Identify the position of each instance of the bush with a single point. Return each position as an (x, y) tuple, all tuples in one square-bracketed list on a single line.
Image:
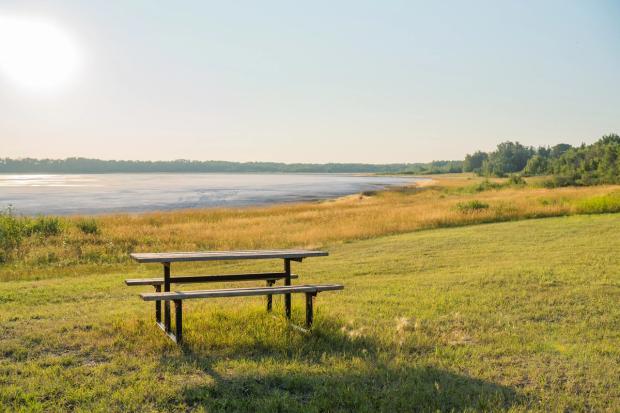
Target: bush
[(88, 226), (14, 228), (487, 185), (516, 180), (45, 226), (471, 206), (11, 233), (558, 182)]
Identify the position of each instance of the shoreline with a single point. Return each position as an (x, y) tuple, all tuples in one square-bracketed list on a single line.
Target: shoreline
[(110, 194)]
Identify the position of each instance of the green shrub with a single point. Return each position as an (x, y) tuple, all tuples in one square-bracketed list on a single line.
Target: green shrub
[(88, 226), (45, 226), (12, 231), (516, 180), (600, 204), (471, 206), (487, 185), (14, 228), (558, 182)]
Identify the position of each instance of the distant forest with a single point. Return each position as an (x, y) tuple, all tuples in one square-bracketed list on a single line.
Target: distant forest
[(598, 163), (85, 165)]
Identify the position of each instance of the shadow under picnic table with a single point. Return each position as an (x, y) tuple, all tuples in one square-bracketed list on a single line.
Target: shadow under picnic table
[(332, 371)]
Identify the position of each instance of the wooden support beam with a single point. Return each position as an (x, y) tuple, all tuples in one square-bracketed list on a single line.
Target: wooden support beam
[(269, 296), (178, 320), (158, 305), (287, 282), (309, 309), (167, 303)]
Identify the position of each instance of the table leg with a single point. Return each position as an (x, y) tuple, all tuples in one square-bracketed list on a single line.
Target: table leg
[(270, 297), (287, 281), (158, 305), (178, 320), (309, 312), (167, 303)]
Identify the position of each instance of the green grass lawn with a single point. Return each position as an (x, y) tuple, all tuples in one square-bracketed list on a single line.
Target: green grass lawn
[(510, 316)]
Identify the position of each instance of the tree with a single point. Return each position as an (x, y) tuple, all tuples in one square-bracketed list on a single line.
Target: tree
[(537, 165), (559, 150), (473, 163), (509, 157), (598, 163)]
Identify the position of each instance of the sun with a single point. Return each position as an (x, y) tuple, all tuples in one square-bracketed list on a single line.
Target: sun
[(36, 54)]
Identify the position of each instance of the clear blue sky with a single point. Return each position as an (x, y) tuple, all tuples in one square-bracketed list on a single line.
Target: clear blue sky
[(320, 81)]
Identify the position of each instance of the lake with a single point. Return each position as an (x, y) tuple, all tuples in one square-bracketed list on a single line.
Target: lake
[(104, 193)]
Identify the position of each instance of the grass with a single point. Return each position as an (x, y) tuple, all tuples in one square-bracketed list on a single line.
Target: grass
[(512, 316), (603, 204), (471, 206), (83, 245), (88, 226)]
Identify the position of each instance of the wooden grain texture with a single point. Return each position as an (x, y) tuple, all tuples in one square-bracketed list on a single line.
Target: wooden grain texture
[(239, 292), (144, 281), (146, 257), (188, 279)]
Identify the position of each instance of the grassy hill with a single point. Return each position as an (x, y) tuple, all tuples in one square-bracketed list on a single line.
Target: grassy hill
[(505, 316)]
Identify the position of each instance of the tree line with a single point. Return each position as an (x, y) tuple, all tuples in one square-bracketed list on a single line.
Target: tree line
[(598, 163), (87, 165)]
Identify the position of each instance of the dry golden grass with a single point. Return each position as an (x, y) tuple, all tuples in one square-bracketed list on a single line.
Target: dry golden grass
[(345, 219), (308, 225)]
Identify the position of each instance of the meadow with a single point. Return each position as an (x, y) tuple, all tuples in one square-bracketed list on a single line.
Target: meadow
[(445, 309), (35, 248)]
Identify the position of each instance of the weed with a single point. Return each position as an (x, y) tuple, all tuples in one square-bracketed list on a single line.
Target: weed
[(45, 226), (88, 226), (471, 206)]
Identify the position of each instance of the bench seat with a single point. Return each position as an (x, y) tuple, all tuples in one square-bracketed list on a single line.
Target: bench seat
[(177, 298), (239, 292)]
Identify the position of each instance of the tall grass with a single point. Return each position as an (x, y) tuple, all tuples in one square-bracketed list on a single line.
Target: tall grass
[(89, 242), (14, 229), (11, 234), (43, 225), (600, 204), (88, 226)]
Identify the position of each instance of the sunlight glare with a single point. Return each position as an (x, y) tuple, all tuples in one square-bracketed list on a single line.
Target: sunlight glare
[(36, 54)]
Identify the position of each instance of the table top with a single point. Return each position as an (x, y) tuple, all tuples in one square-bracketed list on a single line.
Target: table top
[(146, 257)]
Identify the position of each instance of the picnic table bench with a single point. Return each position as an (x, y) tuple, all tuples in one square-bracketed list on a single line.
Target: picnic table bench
[(166, 259)]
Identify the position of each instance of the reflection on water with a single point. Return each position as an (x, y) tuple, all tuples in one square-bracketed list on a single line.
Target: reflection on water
[(47, 180), (99, 193)]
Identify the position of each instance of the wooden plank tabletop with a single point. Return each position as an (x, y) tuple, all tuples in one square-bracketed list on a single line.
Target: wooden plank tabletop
[(145, 257)]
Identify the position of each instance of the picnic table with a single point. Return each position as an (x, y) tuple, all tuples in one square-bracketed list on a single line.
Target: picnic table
[(167, 258)]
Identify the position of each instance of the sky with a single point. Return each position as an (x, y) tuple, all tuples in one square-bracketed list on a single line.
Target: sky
[(323, 81)]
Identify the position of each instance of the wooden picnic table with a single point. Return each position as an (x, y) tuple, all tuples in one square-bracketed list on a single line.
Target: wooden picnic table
[(167, 258)]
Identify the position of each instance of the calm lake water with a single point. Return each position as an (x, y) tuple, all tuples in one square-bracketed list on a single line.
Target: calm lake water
[(101, 193)]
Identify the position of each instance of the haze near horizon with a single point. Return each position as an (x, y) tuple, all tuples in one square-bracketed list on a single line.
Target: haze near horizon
[(328, 82)]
